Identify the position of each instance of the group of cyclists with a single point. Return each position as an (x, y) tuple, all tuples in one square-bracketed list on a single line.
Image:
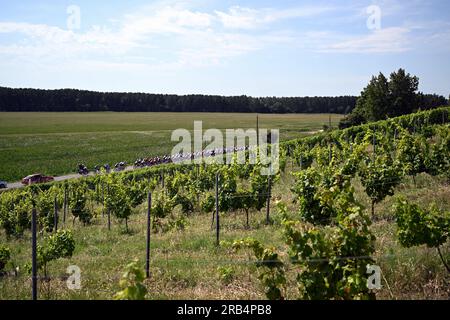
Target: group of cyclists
[(205, 154), (83, 170), (149, 162)]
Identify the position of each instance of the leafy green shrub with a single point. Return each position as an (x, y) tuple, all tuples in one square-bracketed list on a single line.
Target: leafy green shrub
[(333, 259), (416, 226), (322, 194), (5, 256), (58, 245), (208, 203), (270, 268), (136, 193), (411, 154), (131, 284), (117, 201), (77, 203), (310, 207), (226, 274), (15, 212), (177, 223), (162, 206), (380, 177), (186, 203), (45, 204)]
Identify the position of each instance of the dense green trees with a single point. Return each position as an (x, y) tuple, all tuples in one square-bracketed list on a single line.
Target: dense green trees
[(402, 98), (375, 99), (385, 98), (78, 100)]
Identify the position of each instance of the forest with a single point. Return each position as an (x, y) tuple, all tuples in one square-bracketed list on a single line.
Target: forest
[(87, 101), (66, 100)]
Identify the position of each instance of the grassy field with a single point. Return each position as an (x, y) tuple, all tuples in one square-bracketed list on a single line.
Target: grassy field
[(54, 143), (184, 264)]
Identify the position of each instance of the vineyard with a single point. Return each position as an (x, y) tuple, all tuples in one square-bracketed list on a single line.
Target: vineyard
[(376, 194)]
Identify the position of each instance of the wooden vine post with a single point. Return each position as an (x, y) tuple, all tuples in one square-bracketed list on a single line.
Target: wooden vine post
[(108, 211), (374, 142), (147, 265), (217, 210), (33, 255), (269, 191), (257, 130), (65, 204), (55, 217)]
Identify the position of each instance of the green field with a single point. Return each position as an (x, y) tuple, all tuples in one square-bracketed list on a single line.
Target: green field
[(54, 143)]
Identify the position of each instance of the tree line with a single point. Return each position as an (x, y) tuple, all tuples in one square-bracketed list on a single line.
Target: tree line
[(360, 109), (85, 101)]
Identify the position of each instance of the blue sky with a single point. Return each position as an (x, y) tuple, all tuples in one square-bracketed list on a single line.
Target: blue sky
[(257, 48)]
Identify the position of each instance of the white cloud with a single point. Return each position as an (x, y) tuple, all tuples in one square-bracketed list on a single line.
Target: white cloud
[(164, 21), (188, 37), (246, 18), (387, 40), (173, 36)]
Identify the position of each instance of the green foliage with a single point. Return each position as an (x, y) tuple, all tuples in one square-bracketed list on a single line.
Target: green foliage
[(58, 245), (281, 214), (77, 203), (136, 193), (173, 184), (5, 256), (162, 206), (177, 223), (310, 207), (259, 185), (45, 204), (332, 253), (333, 259), (118, 201), (15, 212), (411, 153), (302, 156), (437, 160), (383, 98), (227, 189), (375, 99), (131, 284), (244, 200), (271, 268), (353, 153), (205, 179), (417, 226), (226, 274), (323, 194), (208, 203), (380, 177), (185, 201)]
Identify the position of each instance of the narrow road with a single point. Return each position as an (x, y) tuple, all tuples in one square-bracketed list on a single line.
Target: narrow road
[(17, 185)]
